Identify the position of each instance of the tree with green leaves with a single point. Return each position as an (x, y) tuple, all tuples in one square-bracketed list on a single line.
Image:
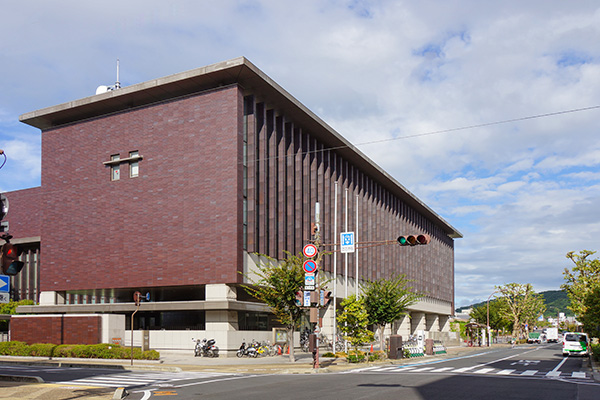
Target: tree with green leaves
[(591, 317), (387, 300), (11, 308), (354, 321), (581, 280), (521, 305), (497, 320), (276, 285)]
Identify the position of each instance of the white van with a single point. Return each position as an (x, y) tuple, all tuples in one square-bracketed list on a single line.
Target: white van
[(575, 343)]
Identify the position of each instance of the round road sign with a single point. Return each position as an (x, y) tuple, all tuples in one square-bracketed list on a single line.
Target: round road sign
[(310, 250), (309, 266)]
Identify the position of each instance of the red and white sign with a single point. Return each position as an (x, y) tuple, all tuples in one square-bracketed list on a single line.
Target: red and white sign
[(310, 250), (309, 266)]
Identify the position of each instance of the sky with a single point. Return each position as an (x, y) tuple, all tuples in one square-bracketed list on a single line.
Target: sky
[(487, 111)]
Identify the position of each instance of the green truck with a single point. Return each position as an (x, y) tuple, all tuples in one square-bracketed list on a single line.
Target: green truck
[(534, 337)]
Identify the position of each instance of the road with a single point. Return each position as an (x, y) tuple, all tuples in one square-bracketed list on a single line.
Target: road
[(525, 372)]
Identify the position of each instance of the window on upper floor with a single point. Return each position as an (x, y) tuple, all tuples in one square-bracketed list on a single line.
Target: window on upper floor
[(115, 169), (134, 164)]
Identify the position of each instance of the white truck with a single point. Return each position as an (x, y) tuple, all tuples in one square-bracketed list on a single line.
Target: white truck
[(552, 335)]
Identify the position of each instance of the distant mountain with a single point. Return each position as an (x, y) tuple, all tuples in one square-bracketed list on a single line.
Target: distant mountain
[(556, 301)]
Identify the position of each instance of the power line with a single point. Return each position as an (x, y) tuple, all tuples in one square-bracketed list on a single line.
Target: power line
[(506, 121), (462, 128)]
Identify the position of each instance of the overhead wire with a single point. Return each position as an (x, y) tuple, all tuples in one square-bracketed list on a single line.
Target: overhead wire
[(462, 128)]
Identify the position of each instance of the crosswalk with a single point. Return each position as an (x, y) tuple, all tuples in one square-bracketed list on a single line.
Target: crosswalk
[(129, 380), (475, 369)]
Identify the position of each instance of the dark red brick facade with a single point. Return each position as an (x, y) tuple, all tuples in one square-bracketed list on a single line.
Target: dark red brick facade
[(229, 163), (177, 223), (65, 329), (25, 213)]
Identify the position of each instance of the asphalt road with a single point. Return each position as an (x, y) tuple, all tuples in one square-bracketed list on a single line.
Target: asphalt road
[(526, 372)]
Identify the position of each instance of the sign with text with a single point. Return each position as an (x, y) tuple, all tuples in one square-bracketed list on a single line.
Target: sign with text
[(347, 241), (4, 297), (309, 281), (306, 302)]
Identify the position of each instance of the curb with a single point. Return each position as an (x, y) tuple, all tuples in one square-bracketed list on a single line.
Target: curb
[(75, 364), (19, 378)]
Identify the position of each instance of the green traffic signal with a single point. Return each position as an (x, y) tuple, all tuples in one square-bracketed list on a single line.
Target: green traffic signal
[(412, 240)]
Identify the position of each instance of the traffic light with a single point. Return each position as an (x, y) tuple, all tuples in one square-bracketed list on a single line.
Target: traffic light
[(413, 240), (10, 263), (314, 229), (3, 206), (327, 299), (137, 297), (299, 298)]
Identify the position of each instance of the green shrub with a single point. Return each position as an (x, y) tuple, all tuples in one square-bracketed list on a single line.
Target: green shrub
[(14, 348), (377, 355), (42, 350), (595, 351), (328, 354), (356, 357), (103, 351)]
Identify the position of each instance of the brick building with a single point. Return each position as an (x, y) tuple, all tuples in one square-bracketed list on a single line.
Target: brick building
[(169, 187)]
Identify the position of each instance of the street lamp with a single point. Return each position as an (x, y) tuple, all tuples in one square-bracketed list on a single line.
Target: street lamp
[(488, 317)]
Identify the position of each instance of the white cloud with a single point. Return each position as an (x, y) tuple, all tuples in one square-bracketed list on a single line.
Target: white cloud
[(374, 71)]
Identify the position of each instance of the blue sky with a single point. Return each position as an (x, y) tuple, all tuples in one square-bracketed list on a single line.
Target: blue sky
[(523, 193)]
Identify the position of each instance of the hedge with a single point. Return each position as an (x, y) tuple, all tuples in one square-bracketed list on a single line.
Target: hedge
[(103, 350)]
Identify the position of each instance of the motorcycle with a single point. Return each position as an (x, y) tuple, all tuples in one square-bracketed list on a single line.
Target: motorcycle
[(206, 348), (246, 351)]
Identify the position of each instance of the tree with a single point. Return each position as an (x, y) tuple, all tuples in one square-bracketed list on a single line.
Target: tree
[(11, 308), (387, 300), (521, 305), (497, 320), (582, 279), (354, 321), (591, 317), (277, 284)]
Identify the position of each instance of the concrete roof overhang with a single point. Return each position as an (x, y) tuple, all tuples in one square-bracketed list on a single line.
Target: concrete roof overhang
[(238, 71)]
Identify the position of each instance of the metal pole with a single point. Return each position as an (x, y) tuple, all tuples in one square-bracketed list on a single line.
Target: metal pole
[(346, 254), (356, 249), (136, 310), (488, 317), (346, 259), (335, 201)]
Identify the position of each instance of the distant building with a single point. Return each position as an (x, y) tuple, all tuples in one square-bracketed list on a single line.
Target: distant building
[(169, 187)]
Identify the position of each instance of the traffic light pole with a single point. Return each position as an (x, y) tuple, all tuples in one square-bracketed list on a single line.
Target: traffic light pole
[(136, 298)]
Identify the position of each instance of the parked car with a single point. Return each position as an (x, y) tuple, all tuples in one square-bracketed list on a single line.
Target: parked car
[(575, 343)]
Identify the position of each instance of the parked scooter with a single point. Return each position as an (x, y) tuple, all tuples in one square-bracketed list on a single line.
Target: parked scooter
[(206, 348), (246, 351)]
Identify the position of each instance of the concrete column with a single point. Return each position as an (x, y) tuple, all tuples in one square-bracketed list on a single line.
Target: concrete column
[(221, 320), (50, 298), (432, 323), (402, 327), (418, 322), (444, 323), (220, 292)]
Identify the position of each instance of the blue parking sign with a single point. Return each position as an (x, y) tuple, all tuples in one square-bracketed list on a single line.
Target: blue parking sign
[(347, 240)]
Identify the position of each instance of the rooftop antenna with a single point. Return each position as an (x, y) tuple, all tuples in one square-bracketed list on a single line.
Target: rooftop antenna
[(117, 83), (103, 89)]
